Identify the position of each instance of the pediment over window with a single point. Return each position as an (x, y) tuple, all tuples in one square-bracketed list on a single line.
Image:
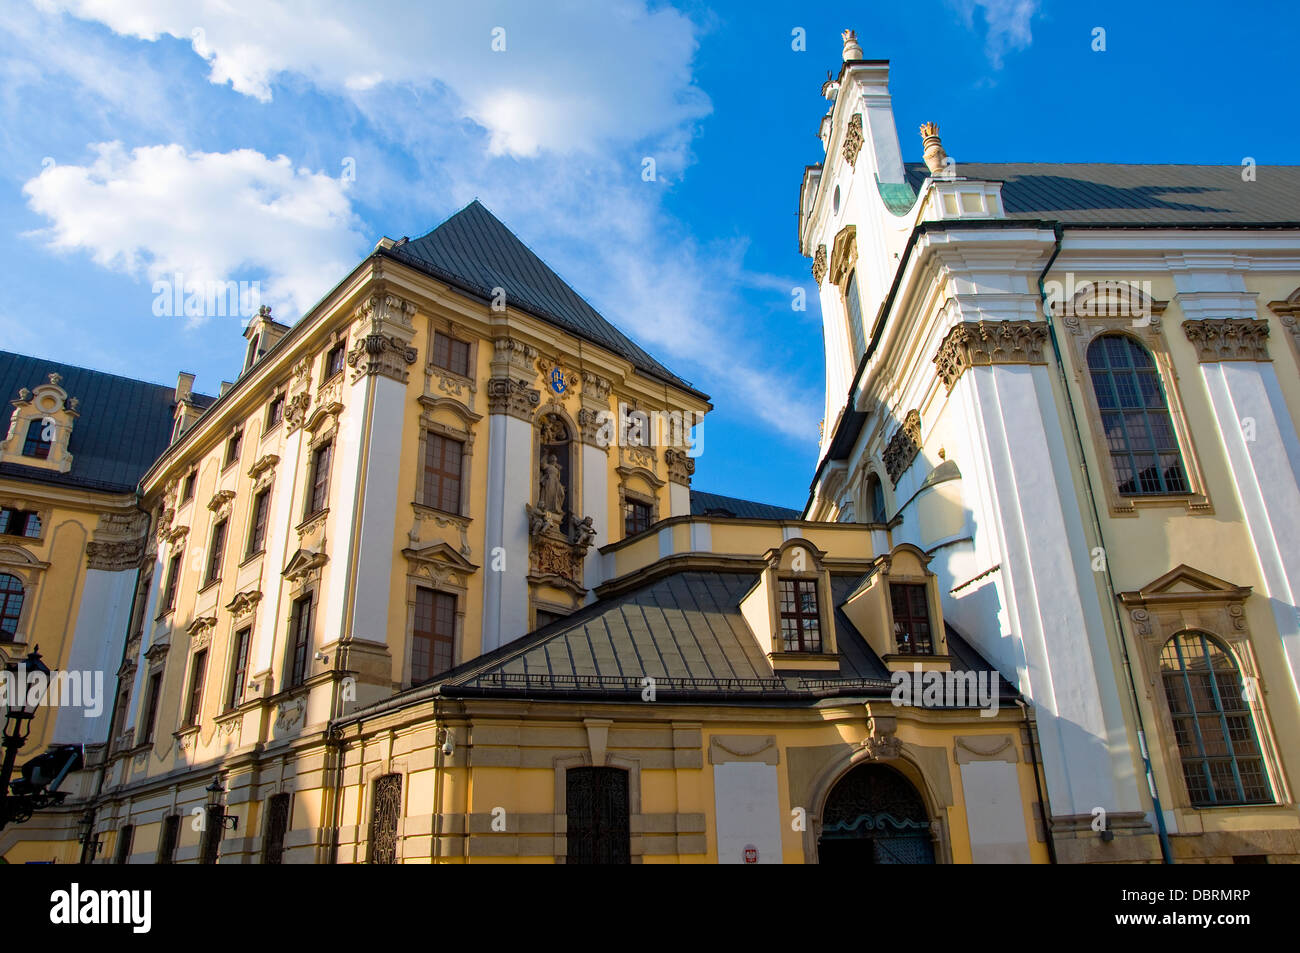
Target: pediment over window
[(441, 554), (303, 563), (1185, 584)]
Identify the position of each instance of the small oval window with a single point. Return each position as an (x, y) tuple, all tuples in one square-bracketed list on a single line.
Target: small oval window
[(835, 202)]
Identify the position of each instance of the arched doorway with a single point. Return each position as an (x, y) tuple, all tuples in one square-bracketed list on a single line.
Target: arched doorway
[(874, 815)]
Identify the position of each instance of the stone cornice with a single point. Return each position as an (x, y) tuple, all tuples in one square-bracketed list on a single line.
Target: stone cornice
[(984, 343), (1228, 339)]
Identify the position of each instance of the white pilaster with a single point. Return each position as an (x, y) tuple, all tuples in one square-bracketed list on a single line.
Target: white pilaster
[(505, 592), (595, 503), (102, 619)]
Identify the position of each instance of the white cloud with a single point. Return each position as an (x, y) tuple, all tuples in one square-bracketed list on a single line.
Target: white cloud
[(213, 217), (1007, 23), (572, 76)]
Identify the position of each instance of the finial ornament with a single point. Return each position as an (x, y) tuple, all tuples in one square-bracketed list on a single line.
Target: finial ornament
[(852, 51), (936, 160)]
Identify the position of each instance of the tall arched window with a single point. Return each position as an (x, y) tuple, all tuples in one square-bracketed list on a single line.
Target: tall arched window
[(1213, 725), (1135, 418), (876, 498), (11, 606)]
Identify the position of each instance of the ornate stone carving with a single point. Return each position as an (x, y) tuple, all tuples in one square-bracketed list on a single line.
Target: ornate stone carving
[(881, 741), (853, 140), (510, 356), (231, 726), (512, 397), (903, 446), (983, 343), (220, 503), (1228, 339), (289, 714), (1287, 311), (595, 387), (295, 411), (244, 603), (819, 265), (590, 426), (680, 466), (115, 556), (200, 631), (383, 354)]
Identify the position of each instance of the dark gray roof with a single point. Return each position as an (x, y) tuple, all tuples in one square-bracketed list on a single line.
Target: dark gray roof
[(475, 251), (714, 504), (684, 630), (123, 427), (1093, 193)]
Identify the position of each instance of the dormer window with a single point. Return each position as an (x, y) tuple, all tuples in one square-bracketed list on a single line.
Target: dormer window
[(334, 361), (800, 616), (911, 609), (251, 359), (37, 444)]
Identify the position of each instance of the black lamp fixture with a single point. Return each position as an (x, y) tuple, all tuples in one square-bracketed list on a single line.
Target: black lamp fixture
[(86, 836), (21, 708), (216, 810)]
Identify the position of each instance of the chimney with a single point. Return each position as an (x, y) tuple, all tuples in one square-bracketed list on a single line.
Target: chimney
[(934, 154), (184, 387), (851, 49)]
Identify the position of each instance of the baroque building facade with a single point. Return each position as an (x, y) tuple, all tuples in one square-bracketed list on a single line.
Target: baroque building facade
[(1075, 386), (429, 581)]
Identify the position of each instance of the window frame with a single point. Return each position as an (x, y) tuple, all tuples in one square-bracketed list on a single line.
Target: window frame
[(911, 588), (452, 340), (1102, 307), (234, 449), (297, 666), (37, 426), (6, 597), (434, 638), (255, 544), (432, 478), (152, 702), (274, 412), (216, 552), (242, 643), (322, 461), (330, 370), (171, 583), (799, 585), (194, 696)]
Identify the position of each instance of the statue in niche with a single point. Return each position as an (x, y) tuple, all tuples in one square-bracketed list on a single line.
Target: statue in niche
[(550, 495)]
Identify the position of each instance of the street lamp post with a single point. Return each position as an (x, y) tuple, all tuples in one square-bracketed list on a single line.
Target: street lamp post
[(218, 820), (22, 705)]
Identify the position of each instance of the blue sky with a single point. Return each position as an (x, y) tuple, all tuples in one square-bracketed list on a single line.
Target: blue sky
[(139, 139)]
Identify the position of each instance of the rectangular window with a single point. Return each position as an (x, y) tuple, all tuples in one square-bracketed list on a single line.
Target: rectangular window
[(450, 354), (36, 445), (275, 411), (151, 706), (300, 640), (334, 361), (384, 815), (598, 810), (442, 470), (318, 494), (636, 517), (167, 840), (20, 523), (232, 447), (257, 530), (216, 552), (911, 619), (119, 716), (433, 637), (187, 488), (277, 825), (198, 669), (124, 838), (239, 667), (800, 621), (173, 583), (141, 600)]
